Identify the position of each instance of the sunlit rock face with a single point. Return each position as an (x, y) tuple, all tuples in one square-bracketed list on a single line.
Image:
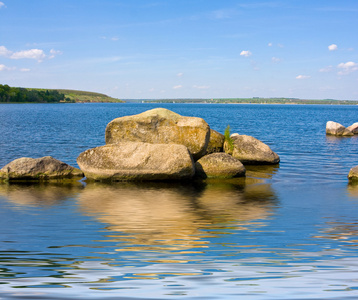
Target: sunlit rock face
[(171, 217), (334, 128), (137, 161), (353, 128), (219, 165), (353, 174), (161, 126), (250, 150), (42, 168)]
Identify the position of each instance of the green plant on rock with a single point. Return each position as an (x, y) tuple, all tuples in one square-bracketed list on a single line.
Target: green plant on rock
[(229, 141)]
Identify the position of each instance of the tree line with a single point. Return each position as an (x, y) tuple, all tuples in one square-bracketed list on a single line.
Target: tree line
[(15, 94)]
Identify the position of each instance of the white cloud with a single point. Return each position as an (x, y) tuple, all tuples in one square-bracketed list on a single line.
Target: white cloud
[(245, 53), (5, 68), (347, 68), (326, 69), (25, 70), (269, 44), (303, 77), (54, 52), (4, 51), (275, 59), (332, 47), (176, 87), (2, 4), (37, 54), (180, 74), (201, 87)]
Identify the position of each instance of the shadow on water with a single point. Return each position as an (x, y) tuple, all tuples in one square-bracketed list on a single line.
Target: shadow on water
[(167, 216)]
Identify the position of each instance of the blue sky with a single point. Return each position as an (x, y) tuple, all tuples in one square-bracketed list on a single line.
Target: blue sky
[(183, 48)]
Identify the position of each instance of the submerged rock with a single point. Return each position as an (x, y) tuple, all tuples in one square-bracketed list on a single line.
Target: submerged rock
[(216, 142), (137, 161), (219, 165), (250, 150), (161, 126), (43, 168), (353, 173), (334, 128)]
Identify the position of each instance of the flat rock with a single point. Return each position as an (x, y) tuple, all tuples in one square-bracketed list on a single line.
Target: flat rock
[(216, 142), (43, 168), (334, 128), (219, 165), (353, 173), (250, 150), (137, 161), (161, 126)]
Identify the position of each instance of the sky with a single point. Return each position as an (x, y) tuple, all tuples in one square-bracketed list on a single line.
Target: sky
[(150, 49)]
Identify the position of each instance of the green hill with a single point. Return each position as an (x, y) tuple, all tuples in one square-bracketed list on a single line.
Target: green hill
[(83, 96), (30, 95)]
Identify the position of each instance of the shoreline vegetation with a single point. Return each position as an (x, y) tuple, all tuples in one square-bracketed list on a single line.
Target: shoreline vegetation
[(33, 95), (254, 100)]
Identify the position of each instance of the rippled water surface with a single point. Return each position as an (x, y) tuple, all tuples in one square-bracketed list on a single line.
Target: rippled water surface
[(284, 232)]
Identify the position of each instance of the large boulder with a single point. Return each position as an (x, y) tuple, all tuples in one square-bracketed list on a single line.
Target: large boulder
[(137, 161), (219, 165), (353, 128), (161, 126), (334, 128), (250, 150), (353, 173), (216, 142), (43, 168)]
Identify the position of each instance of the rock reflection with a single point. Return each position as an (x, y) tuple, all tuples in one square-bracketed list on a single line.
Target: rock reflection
[(39, 194), (346, 232), (173, 216), (353, 189)]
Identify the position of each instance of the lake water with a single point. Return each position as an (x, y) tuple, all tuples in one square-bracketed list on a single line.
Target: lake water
[(284, 232)]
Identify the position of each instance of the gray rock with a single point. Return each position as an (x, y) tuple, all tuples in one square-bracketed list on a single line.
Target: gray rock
[(43, 168), (334, 128), (353, 173), (219, 165), (216, 142), (161, 126), (250, 150), (137, 161), (353, 128)]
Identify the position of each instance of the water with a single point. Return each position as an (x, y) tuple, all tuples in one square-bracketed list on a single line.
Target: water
[(287, 232)]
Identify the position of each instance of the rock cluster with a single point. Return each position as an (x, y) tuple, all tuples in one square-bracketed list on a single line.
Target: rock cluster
[(155, 145), (162, 145), (334, 128)]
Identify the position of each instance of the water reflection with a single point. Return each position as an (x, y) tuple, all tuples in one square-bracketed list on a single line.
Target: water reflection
[(171, 216), (39, 194), (353, 189)]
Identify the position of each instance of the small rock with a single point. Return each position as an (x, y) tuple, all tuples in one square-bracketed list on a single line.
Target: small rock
[(334, 128), (353, 128), (42, 168), (353, 173), (219, 165), (250, 150)]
